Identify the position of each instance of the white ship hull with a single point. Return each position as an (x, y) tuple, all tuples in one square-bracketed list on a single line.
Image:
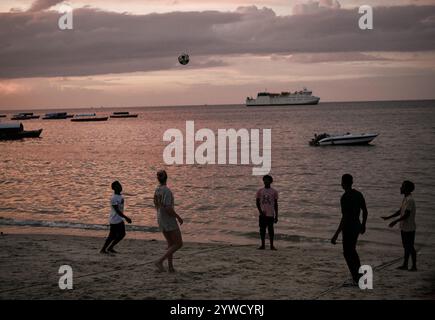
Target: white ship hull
[(281, 102), (284, 99)]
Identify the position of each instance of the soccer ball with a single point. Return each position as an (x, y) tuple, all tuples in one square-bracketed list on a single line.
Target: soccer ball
[(183, 59)]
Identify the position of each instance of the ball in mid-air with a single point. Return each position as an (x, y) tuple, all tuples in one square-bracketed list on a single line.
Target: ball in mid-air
[(183, 59)]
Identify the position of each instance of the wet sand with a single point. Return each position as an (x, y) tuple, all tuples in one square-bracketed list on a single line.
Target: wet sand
[(30, 263)]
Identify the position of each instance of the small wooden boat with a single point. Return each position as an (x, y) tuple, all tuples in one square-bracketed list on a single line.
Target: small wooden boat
[(123, 114), (55, 116), (15, 131), (24, 116), (2, 116), (86, 117)]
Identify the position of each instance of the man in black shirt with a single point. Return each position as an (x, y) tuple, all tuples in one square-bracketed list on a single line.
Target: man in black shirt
[(352, 202)]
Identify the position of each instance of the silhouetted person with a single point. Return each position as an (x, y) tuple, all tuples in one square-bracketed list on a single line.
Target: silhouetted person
[(117, 226), (267, 205), (352, 202), (167, 220), (407, 224)]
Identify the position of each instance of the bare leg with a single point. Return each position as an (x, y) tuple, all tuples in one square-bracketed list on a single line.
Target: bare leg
[(176, 243), (170, 242)]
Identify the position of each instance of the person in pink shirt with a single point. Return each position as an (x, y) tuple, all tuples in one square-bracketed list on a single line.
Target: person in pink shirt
[(267, 205)]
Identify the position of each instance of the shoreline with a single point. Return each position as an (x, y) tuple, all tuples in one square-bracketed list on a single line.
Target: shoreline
[(30, 264)]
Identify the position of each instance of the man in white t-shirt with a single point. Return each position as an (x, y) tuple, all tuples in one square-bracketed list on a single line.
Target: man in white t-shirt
[(117, 226), (407, 224)]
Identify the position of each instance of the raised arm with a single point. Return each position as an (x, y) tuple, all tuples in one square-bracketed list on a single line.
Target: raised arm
[(404, 217), (396, 214)]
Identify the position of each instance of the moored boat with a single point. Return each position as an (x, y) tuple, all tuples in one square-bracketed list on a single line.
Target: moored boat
[(342, 139), (86, 117), (123, 114), (55, 116), (15, 131), (24, 116), (2, 116)]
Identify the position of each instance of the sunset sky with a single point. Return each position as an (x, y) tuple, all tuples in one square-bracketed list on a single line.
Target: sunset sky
[(124, 53)]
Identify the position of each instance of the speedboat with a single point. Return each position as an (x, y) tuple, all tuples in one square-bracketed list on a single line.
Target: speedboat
[(123, 114), (55, 116), (85, 117), (24, 116), (347, 139), (15, 131)]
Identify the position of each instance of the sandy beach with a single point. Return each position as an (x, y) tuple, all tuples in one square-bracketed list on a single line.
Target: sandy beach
[(30, 262)]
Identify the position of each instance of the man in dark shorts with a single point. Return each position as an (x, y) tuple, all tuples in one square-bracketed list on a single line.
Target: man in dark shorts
[(352, 203), (267, 205)]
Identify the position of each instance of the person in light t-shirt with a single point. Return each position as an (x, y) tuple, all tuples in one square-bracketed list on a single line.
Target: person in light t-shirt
[(167, 220), (407, 224), (267, 205), (117, 226)]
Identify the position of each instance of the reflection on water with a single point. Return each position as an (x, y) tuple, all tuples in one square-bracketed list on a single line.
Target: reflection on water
[(65, 176)]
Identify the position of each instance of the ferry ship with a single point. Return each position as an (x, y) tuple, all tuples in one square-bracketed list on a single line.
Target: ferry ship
[(303, 97)]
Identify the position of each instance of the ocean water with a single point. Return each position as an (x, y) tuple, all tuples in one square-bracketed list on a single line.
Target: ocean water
[(62, 180)]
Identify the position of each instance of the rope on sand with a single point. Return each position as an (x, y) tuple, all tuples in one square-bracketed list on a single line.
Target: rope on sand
[(114, 269)]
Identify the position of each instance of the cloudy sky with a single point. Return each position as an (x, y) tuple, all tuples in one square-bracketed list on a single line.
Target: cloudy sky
[(124, 53)]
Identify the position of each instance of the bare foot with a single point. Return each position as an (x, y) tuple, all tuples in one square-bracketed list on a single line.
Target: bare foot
[(159, 266)]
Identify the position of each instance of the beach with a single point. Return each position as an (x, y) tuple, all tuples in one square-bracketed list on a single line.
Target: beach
[(55, 206), (30, 264)]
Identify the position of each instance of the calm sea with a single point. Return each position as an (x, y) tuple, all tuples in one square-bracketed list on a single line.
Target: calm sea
[(62, 180)]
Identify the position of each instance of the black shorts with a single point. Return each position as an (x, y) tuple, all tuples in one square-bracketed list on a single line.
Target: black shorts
[(408, 239), (265, 222), (117, 230)]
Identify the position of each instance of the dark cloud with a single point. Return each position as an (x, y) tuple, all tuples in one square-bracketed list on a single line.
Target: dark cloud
[(106, 42)]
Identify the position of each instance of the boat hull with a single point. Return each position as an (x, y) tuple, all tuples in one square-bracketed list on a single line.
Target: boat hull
[(124, 116), (21, 135), (89, 119), (349, 140), (25, 118), (54, 118), (253, 103)]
